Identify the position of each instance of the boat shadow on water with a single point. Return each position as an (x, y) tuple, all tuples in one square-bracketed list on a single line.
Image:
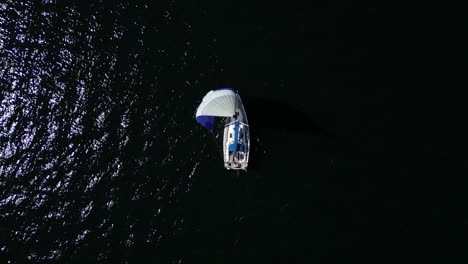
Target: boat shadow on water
[(266, 115), (273, 121)]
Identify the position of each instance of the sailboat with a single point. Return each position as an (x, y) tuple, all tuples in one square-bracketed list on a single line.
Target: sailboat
[(226, 103)]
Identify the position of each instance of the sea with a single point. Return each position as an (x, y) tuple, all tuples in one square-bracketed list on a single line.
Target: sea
[(102, 160)]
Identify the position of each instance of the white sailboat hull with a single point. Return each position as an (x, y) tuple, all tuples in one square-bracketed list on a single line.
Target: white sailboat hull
[(236, 140)]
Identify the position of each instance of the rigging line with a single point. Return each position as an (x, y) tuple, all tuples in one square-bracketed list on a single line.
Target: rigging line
[(203, 149), (219, 149)]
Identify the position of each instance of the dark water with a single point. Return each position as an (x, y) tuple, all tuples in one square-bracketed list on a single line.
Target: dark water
[(101, 160)]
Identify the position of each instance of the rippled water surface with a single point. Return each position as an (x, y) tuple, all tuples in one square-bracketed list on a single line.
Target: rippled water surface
[(98, 146)]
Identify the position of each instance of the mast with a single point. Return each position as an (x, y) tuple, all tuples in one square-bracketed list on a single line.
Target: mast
[(236, 125)]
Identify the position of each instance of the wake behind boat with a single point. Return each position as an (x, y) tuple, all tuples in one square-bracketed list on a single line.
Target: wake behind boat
[(226, 103)]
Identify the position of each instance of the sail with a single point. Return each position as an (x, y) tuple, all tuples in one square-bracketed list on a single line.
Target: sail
[(221, 103)]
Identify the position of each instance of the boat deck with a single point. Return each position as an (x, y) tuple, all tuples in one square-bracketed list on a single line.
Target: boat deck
[(240, 161)]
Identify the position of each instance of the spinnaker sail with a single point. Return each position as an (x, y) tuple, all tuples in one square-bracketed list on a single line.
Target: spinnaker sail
[(216, 103)]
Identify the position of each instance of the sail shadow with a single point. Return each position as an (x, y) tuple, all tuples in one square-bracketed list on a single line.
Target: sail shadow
[(266, 116), (270, 121)]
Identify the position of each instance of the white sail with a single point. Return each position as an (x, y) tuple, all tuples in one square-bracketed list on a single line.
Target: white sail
[(218, 103)]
